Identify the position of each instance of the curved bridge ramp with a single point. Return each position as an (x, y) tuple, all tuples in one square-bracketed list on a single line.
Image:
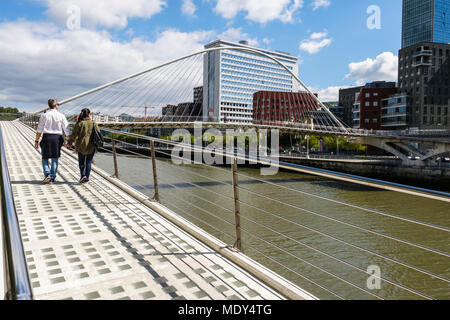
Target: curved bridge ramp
[(95, 241)]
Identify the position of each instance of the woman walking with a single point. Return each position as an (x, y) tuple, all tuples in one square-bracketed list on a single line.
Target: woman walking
[(81, 136)]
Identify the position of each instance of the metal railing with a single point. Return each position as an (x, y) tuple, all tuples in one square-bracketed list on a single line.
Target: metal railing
[(224, 206), (236, 203), (17, 280)]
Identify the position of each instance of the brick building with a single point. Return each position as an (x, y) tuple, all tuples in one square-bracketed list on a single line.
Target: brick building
[(282, 106), (367, 110)]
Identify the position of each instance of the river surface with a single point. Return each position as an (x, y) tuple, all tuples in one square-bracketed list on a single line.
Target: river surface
[(292, 224)]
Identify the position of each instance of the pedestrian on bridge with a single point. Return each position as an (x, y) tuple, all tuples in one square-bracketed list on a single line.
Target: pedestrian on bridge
[(84, 144), (52, 126)]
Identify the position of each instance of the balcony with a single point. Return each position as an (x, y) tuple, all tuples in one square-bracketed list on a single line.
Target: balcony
[(422, 63), (423, 52)]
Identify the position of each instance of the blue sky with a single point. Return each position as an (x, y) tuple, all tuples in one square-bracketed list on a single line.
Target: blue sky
[(330, 37)]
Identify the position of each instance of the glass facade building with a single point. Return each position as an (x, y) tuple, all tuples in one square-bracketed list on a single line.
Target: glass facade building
[(231, 77), (425, 21)]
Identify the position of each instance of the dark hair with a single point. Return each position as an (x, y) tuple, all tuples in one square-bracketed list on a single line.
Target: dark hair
[(84, 114), (52, 103)]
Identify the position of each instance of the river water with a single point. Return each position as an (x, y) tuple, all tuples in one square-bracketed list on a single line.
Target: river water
[(294, 226)]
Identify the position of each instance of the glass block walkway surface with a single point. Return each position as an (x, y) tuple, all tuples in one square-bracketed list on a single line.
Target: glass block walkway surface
[(96, 242)]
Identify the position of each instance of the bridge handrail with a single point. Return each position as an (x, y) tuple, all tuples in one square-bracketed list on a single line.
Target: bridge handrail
[(189, 195), (18, 285), (443, 196)]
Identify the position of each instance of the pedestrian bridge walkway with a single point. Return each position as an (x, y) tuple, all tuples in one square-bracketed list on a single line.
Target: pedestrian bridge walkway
[(97, 241)]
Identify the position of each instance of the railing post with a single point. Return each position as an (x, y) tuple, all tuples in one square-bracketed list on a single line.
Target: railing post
[(116, 168), (155, 174), (237, 206)]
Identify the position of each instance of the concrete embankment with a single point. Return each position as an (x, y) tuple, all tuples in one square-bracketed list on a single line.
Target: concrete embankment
[(390, 170)]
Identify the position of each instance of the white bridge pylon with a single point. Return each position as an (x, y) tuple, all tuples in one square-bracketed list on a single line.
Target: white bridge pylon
[(169, 84)]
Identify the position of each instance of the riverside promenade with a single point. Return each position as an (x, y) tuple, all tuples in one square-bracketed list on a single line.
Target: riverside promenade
[(103, 240)]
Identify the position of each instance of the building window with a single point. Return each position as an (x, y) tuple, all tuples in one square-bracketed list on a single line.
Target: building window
[(367, 95)]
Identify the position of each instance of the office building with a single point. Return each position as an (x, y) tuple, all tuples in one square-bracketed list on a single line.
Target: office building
[(425, 21), (424, 75), (231, 77)]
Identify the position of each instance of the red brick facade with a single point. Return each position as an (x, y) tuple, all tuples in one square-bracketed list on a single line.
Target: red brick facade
[(371, 103), (281, 106)]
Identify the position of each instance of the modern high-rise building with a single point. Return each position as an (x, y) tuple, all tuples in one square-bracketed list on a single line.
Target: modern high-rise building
[(424, 75), (231, 77), (425, 21)]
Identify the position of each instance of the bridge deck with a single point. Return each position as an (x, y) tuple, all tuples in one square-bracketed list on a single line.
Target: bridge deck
[(95, 241)]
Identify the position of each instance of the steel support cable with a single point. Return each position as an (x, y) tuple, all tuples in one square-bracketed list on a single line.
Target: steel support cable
[(342, 203), (311, 212), (192, 71), (295, 272), (121, 100), (319, 172), (175, 70), (312, 265), (161, 77), (179, 158), (124, 90), (196, 80), (350, 224), (324, 234), (340, 260), (337, 239), (184, 251), (100, 96), (191, 183), (235, 290), (344, 262), (210, 214), (350, 204), (346, 223), (178, 188), (180, 84), (404, 264)]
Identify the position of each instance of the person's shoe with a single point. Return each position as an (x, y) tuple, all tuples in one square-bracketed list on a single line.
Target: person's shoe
[(47, 180), (83, 180), (53, 180)]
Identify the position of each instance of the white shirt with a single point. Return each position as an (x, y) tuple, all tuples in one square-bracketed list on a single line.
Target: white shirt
[(53, 122)]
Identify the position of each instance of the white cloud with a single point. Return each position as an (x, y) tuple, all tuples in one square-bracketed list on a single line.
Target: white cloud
[(236, 34), (54, 62), (320, 3), (383, 67), (188, 8), (106, 13), (261, 11), (315, 42), (328, 94)]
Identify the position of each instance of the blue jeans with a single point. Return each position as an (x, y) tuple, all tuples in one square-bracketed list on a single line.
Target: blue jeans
[(50, 171), (85, 163)]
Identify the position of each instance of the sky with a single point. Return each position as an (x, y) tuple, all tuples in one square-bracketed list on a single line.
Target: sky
[(59, 48)]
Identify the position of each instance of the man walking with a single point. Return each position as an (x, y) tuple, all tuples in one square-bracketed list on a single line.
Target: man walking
[(52, 125)]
